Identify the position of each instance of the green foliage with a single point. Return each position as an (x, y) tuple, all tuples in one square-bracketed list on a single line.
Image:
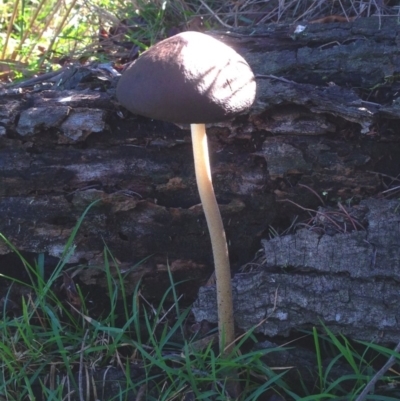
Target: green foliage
[(49, 340), (356, 369), (36, 36), (35, 32)]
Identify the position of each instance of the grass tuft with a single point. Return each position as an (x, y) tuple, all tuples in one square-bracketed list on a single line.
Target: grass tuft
[(53, 347)]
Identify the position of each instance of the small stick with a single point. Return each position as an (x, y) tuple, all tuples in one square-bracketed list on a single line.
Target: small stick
[(215, 15), (275, 77), (378, 375), (314, 192), (35, 80)]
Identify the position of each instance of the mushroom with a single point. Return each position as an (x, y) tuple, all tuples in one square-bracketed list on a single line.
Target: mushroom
[(192, 78)]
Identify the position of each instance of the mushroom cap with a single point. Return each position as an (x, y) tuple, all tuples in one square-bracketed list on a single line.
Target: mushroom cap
[(189, 78)]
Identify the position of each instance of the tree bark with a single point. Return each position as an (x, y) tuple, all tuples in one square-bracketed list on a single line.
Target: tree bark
[(325, 121), (348, 280)]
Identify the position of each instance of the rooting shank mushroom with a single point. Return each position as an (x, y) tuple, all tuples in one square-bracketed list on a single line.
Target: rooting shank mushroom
[(195, 79)]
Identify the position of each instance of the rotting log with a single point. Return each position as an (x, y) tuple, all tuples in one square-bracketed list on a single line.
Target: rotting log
[(326, 118), (348, 280)]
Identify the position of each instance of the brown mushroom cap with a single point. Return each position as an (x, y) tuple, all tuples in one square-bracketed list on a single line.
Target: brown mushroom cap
[(188, 78)]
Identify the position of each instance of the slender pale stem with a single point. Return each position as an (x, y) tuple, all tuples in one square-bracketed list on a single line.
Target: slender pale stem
[(218, 239)]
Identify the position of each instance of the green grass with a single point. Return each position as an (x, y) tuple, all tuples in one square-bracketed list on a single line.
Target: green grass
[(47, 345), (37, 37), (50, 341)]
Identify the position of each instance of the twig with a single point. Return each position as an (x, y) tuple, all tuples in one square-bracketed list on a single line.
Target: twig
[(314, 211), (314, 192), (378, 375), (384, 175), (215, 15), (35, 80), (277, 78), (341, 207), (370, 103), (390, 190), (141, 393)]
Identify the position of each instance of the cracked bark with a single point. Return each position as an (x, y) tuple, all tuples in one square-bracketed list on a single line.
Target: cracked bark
[(328, 123)]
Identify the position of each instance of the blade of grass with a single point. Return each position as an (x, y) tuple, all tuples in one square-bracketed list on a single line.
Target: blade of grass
[(57, 337), (319, 359), (343, 349)]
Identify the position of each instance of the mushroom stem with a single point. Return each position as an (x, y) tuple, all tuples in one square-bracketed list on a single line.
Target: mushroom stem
[(218, 239)]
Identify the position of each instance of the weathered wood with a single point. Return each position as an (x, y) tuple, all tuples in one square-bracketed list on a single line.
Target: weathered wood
[(68, 149), (349, 281), (320, 125), (362, 53)]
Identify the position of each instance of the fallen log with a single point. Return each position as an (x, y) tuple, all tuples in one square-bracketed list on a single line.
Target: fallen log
[(324, 122), (348, 280)]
